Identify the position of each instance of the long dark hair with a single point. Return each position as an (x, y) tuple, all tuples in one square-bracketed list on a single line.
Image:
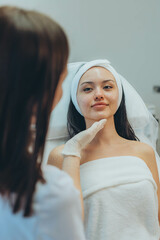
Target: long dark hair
[(33, 54), (76, 122)]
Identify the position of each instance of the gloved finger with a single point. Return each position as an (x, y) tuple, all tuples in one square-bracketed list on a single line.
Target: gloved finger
[(97, 126)]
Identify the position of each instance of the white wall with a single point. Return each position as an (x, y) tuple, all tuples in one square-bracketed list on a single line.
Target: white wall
[(126, 32)]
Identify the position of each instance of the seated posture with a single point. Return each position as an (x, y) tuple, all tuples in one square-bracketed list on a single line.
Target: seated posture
[(118, 173)]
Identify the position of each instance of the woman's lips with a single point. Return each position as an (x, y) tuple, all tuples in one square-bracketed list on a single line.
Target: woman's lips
[(99, 105)]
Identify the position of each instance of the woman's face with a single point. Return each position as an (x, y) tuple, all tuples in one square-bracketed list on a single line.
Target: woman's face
[(97, 94)]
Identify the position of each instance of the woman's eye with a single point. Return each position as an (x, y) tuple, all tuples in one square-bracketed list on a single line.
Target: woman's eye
[(107, 87), (86, 89)]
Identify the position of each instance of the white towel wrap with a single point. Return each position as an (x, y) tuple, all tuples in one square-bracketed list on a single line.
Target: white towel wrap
[(120, 199)]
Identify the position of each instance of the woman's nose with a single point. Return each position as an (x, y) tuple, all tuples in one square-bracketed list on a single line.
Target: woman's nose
[(99, 95)]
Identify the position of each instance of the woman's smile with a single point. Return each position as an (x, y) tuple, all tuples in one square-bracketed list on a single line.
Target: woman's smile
[(99, 105)]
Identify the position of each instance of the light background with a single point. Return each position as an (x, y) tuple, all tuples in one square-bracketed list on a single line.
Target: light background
[(126, 32)]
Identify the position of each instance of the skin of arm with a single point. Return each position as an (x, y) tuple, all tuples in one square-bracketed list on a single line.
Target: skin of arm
[(146, 152), (69, 164)]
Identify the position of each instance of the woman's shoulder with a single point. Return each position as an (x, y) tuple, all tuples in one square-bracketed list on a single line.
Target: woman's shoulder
[(140, 145), (137, 148), (55, 157), (147, 154), (142, 149)]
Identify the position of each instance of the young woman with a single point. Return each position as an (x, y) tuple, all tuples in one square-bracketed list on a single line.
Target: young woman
[(35, 203), (118, 173)]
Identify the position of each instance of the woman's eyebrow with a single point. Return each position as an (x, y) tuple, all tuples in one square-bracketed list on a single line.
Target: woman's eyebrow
[(90, 82)]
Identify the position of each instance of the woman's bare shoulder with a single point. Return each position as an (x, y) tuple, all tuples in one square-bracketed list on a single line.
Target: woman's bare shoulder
[(142, 148), (55, 157), (147, 153)]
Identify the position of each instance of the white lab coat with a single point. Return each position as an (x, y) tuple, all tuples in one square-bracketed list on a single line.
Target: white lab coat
[(57, 212)]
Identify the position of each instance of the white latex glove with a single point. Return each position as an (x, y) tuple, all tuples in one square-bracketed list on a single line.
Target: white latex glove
[(74, 146)]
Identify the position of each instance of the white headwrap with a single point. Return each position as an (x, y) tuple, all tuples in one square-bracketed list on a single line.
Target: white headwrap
[(141, 120)]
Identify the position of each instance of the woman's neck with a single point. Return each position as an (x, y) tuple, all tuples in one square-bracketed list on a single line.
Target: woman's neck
[(107, 135)]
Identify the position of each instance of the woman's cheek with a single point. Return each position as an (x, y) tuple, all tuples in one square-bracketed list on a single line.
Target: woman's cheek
[(84, 104), (114, 104), (112, 96)]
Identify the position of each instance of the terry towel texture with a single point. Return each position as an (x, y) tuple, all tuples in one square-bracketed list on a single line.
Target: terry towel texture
[(120, 199)]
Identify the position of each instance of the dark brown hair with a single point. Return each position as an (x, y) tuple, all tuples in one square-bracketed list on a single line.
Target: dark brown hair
[(76, 122), (33, 54)]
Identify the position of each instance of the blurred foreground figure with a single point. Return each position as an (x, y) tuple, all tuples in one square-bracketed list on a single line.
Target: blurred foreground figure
[(35, 203)]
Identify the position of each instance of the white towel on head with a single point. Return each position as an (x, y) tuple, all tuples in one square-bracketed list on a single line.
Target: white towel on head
[(120, 199)]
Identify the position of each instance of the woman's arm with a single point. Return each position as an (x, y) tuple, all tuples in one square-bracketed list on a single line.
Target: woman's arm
[(154, 170), (148, 155), (55, 157), (72, 154), (69, 164)]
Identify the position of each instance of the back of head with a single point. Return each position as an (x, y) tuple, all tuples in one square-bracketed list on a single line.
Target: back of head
[(33, 54)]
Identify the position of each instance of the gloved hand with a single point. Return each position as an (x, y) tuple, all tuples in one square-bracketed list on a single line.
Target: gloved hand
[(74, 146)]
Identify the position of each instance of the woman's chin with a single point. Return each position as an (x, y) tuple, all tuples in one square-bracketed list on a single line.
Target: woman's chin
[(98, 118)]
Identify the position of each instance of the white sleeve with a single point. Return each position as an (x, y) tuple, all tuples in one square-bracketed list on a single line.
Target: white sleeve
[(58, 208)]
